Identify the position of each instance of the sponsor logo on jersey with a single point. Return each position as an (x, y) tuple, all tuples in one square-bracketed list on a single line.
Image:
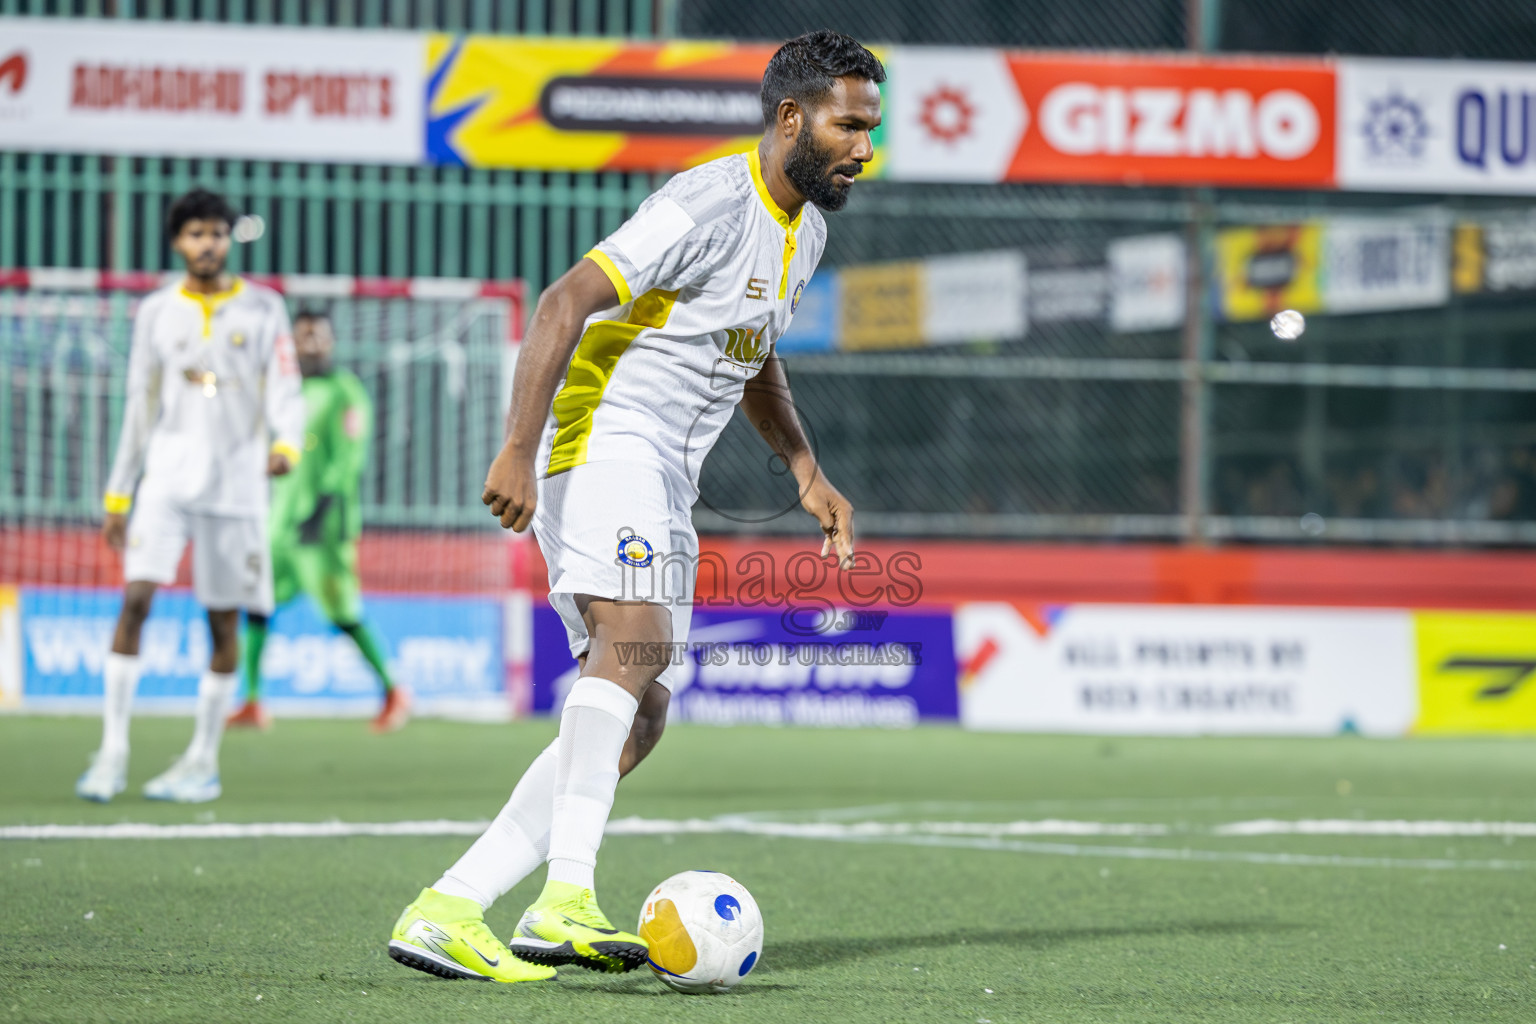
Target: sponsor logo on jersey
[(746, 346), (635, 550), (757, 287), (794, 302)]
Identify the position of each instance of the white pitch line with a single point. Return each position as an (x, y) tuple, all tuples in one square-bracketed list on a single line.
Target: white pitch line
[(1375, 827)]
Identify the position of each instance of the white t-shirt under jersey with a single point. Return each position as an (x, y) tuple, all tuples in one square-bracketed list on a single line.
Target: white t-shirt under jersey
[(709, 272), (212, 386)]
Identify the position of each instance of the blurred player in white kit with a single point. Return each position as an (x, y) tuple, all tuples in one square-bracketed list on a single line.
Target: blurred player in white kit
[(214, 406)]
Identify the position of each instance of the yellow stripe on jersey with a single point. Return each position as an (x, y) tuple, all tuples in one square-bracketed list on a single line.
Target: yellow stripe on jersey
[(755, 162), (591, 369), (211, 303), (117, 504), (612, 273)]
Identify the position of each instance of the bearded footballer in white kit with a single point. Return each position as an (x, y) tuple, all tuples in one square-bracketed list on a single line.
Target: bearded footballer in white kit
[(214, 406), (635, 359)]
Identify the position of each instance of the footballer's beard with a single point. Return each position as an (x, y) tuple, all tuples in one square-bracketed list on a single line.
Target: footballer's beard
[(206, 266), (314, 366), (807, 168)]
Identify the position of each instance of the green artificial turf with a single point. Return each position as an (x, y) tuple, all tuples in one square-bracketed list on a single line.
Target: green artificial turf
[(1079, 929)]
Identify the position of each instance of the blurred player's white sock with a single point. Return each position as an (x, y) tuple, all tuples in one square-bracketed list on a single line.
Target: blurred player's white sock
[(593, 728), (214, 691), (119, 681), (516, 843)]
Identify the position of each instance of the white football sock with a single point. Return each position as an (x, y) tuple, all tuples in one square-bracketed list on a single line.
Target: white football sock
[(214, 691), (593, 728), (120, 679), (516, 843)]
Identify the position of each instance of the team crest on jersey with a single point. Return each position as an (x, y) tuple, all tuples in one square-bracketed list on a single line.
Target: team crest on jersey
[(746, 346), (635, 550), (794, 303), (237, 339)]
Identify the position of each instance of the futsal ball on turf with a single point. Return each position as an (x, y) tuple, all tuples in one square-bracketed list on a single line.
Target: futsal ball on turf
[(704, 930)]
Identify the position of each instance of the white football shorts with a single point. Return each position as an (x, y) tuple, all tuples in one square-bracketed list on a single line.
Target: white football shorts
[(231, 566), (620, 530)]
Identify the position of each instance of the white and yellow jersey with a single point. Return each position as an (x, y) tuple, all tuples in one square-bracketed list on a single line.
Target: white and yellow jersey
[(709, 272), (213, 385)]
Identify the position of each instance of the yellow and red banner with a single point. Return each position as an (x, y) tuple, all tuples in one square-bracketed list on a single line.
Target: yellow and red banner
[(590, 105)]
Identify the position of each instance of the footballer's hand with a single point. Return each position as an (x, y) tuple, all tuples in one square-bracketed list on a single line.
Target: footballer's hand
[(115, 531), (835, 514), (278, 464), (510, 489)]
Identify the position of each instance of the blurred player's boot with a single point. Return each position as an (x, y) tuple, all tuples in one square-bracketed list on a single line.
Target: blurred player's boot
[(188, 781), (104, 779), (251, 716), (565, 926), (446, 936), (396, 711)]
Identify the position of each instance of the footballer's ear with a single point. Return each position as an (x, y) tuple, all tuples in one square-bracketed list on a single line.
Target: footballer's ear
[(791, 116)]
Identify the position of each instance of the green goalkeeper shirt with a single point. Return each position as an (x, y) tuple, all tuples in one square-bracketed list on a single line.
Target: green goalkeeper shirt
[(318, 499)]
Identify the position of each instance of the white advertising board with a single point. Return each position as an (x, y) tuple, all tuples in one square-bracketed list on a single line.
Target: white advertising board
[(1377, 264), (1147, 282), (1436, 126), (211, 90), (1186, 670)]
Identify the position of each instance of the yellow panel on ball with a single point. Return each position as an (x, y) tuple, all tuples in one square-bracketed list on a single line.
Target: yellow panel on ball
[(662, 929)]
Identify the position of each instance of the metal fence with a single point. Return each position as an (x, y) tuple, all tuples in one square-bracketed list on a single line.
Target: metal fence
[(1385, 427)]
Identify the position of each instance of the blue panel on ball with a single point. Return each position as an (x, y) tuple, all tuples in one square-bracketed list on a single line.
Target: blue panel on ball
[(727, 906), (746, 965)]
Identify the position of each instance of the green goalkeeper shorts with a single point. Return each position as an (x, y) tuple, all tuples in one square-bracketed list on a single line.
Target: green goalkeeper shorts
[(326, 572)]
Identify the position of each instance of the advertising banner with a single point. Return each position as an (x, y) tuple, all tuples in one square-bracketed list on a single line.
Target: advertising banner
[(870, 668), (1185, 670), (448, 650), (590, 104), (1146, 282), (1385, 263), (817, 317), (1495, 256), (1436, 126), (10, 648), (1477, 673), (1260, 271), (882, 306), (185, 89), (987, 115)]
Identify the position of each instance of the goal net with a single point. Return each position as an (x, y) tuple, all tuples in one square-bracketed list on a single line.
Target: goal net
[(435, 358)]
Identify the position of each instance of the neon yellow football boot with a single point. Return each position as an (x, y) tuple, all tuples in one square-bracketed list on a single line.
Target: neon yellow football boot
[(565, 926), (447, 936)]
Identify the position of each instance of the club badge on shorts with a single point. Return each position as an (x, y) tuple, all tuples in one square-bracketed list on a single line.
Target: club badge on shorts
[(635, 550)]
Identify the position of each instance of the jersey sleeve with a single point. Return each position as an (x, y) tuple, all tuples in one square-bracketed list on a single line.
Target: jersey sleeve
[(672, 242), (283, 388), (141, 407)]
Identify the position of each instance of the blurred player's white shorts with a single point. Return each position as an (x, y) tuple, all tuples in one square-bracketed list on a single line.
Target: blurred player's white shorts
[(231, 566), (621, 530)]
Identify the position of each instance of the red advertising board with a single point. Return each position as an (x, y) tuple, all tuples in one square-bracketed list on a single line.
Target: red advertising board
[(1164, 121), (991, 115)]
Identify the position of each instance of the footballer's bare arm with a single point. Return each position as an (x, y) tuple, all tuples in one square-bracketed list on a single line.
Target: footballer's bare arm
[(563, 308), (766, 401)]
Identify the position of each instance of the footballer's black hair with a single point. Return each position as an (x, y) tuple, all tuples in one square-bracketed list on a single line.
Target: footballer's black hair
[(311, 313), (199, 204), (805, 67)]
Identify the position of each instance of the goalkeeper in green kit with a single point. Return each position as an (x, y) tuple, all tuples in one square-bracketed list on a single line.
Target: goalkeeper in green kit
[(316, 519)]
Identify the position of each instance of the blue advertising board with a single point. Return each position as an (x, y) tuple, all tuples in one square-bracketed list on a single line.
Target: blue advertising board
[(872, 667), (814, 328), (447, 649)]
